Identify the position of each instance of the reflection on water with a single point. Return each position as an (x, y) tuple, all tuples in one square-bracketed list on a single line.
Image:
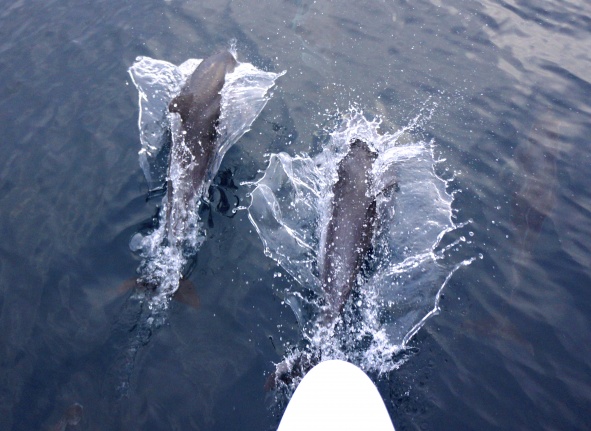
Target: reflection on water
[(509, 349)]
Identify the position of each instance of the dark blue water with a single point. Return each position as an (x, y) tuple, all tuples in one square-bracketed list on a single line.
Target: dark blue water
[(510, 348)]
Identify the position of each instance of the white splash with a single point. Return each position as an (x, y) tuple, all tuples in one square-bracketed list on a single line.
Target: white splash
[(244, 95), (290, 208)]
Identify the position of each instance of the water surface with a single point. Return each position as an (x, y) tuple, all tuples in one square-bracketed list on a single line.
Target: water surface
[(509, 349)]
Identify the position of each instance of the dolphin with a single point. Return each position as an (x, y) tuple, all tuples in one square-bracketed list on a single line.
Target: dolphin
[(72, 416), (345, 243), (191, 163), (199, 107), (347, 237)]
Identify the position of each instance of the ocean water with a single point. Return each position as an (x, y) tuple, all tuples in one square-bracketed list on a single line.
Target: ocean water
[(510, 85)]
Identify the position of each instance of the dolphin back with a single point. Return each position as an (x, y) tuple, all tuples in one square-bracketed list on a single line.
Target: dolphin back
[(349, 233), (199, 101), (199, 107)]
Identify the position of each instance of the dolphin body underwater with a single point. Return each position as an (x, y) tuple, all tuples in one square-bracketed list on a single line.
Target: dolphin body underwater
[(199, 107)]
